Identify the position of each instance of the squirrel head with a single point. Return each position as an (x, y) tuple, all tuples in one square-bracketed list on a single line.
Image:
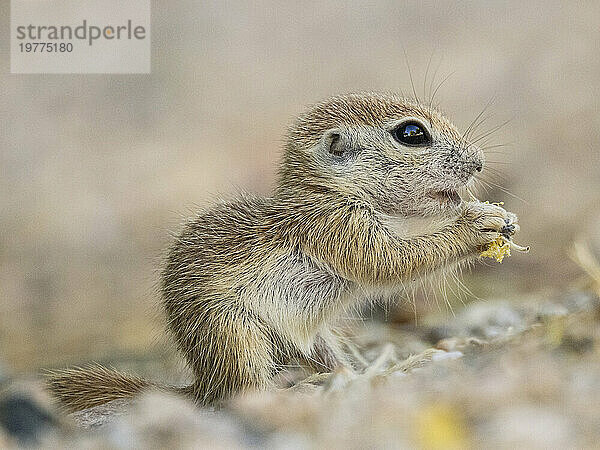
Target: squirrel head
[(397, 155)]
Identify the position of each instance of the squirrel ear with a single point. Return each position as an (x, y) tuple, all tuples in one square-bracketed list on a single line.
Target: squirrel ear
[(332, 142)]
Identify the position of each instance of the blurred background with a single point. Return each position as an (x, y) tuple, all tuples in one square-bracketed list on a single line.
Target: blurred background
[(97, 170)]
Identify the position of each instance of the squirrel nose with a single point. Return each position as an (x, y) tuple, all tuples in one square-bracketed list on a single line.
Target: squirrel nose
[(479, 166)]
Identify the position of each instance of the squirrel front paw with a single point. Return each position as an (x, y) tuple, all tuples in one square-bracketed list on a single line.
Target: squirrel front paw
[(486, 222)]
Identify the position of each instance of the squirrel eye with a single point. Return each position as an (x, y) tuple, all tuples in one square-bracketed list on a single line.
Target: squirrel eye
[(412, 134)]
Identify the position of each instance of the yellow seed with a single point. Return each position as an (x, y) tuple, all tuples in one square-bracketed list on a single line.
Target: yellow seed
[(497, 250), (487, 202)]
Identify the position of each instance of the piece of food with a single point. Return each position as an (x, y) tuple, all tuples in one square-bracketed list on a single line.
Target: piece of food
[(501, 247), (497, 250)]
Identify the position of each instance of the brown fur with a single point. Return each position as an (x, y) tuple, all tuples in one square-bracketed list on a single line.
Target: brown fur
[(95, 385), (255, 283)]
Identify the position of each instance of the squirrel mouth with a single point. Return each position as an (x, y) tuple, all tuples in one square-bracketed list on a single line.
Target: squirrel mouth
[(449, 197)]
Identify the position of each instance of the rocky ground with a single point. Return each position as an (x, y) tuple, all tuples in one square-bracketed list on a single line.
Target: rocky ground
[(498, 374)]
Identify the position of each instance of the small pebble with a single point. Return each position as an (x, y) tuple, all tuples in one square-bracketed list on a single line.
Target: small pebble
[(442, 355)]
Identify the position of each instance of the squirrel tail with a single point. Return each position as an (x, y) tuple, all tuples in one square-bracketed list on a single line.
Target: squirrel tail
[(85, 387)]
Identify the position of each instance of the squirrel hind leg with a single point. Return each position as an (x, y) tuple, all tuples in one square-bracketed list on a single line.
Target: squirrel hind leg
[(232, 356)]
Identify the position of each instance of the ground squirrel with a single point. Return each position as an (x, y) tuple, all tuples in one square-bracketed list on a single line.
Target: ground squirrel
[(366, 200)]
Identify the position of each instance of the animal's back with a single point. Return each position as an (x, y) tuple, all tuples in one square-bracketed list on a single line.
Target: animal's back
[(210, 261)]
